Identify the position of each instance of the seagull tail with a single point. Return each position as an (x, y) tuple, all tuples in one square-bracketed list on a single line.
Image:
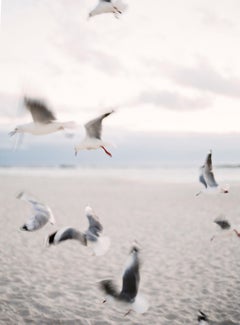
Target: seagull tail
[(140, 304), (101, 246)]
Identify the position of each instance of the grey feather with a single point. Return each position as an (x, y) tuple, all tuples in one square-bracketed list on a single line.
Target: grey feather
[(39, 111), (94, 127)]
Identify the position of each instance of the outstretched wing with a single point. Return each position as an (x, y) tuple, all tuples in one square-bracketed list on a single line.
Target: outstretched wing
[(131, 277), (95, 227), (223, 223), (109, 288), (40, 112), (66, 234), (37, 207), (201, 177), (94, 127), (208, 173)]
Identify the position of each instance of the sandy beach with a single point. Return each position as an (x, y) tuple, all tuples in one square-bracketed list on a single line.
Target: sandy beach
[(182, 271)]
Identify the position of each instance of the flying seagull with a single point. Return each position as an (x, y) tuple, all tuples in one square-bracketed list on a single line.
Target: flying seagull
[(109, 6), (130, 285), (226, 227), (44, 120), (91, 237), (41, 214), (207, 178), (93, 139), (202, 318)]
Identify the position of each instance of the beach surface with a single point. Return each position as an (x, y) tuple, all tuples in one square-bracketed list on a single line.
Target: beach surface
[(182, 271)]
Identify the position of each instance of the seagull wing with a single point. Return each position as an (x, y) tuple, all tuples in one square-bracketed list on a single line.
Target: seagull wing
[(131, 277), (109, 288), (35, 222), (201, 177), (65, 234), (223, 223), (40, 112), (95, 227), (208, 173), (94, 127), (40, 210)]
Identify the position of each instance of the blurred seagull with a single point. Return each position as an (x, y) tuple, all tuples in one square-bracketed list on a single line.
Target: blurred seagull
[(41, 214), (226, 227), (109, 6), (207, 178), (130, 285), (91, 237), (202, 318), (93, 139), (44, 121)]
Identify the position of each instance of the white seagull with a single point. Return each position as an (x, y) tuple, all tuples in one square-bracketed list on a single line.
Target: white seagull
[(207, 178), (91, 237), (226, 228), (44, 120), (130, 285), (109, 6), (93, 139), (202, 318), (41, 214)]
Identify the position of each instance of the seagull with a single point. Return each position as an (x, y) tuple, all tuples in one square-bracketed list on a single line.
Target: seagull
[(91, 237), (109, 6), (93, 139), (207, 178), (130, 285), (44, 120), (41, 214), (226, 227), (202, 318)]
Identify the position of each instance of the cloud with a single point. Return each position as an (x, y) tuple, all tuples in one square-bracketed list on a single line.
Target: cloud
[(173, 100), (203, 77)]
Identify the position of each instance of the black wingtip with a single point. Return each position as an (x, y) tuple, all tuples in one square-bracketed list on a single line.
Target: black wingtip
[(108, 287), (24, 227), (202, 316)]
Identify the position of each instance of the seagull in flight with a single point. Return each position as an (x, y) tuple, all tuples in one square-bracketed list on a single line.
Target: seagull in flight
[(202, 318), (226, 227), (42, 214), (93, 139), (44, 120), (130, 285), (91, 237), (109, 6), (207, 178)]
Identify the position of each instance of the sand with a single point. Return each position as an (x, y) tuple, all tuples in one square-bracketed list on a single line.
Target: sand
[(182, 271)]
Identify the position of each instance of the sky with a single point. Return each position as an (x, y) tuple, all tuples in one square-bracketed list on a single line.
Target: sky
[(167, 67)]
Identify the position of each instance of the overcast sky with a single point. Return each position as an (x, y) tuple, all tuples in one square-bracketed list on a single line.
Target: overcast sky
[(166, 65)]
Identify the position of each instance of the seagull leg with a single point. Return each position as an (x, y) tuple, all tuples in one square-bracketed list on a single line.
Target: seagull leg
[(127, 313), (107, 152), (117, 10), (237, 233)]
